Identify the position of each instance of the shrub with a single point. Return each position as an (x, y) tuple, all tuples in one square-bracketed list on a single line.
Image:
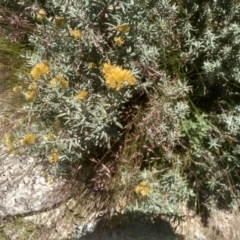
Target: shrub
[(93, 59), (82, 80)]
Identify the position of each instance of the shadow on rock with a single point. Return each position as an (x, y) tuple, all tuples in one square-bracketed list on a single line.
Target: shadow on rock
[(132, 226)]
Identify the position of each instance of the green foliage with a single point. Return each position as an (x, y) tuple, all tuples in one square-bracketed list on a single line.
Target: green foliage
[(167, 191), (196, 131), (93, 59), (93, 120)]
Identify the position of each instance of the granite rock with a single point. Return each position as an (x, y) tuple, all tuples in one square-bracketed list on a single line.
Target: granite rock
[(23, 189)]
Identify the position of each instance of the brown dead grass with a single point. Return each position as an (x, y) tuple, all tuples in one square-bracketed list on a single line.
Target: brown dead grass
[(10, 64), (15, 24)]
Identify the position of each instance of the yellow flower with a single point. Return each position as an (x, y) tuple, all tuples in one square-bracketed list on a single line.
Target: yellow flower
[(39, 17), (91, 65), (29, 95), (81, 95), (115, 76), (59, 22), (118, 41), (49, 180), (41, 14), (76, 33), (123, 28), (54, 156), (28, 139), (59, 81), (143, 188), (17, 89), (8, 141), (39, 69), (32, 86)]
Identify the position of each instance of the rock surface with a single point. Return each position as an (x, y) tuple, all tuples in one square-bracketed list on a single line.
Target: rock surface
[(23, 190)]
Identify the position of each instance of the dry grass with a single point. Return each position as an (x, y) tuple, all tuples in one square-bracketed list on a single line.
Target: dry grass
[(14, 28), (10, 63), (15, 24)]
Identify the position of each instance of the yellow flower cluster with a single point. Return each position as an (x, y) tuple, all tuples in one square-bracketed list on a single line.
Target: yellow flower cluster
[(54, 156), (29, 95), (8, 141), (17, 89), (115, 76), (76, 33), (59, 22), (39, 69), (123, 28), (32, 86), (28, 139), (91, 65), (40, 15), (59, 81), (81, 95), (118, 41), (143, 188)]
